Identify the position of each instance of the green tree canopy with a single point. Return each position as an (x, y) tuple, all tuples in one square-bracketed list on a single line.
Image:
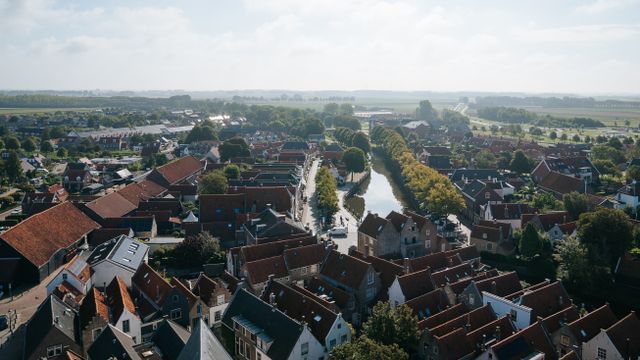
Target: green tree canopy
[(530, 241), (426, 112), (545, 202), (520, 163), (577, 273), (606, 233), (29, 144), (606, 167), (443, 200), (202, 133), (214, 182), (13, 166), (361, 141), (198, 250), (232, 171), (576, 204), (364, 348), (62, 152), (553, 135), (355, 160), (46, 147), (633, 173), (234, 147), (395, 325), (485, 159), (12, 143)]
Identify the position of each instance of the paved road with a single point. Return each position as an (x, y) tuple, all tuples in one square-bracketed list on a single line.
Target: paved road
[(310, 211), (352, 236)]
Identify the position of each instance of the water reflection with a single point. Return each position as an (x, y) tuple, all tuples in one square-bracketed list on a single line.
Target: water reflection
[(378, 194)]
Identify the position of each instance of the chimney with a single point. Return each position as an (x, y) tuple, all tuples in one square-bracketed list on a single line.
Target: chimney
[(405, 265), (494, 287), (498, 334), (272, 299)]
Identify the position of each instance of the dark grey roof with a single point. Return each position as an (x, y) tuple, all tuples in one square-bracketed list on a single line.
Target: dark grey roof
[(202, 344), (439, 162), (170, 338), (295, 145), (472, 188), (51, 313), (480, 174), (269, 322), (372, 225), (112, 343), (122, 250)]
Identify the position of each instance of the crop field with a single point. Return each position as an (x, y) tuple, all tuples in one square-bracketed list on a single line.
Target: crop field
[(18, 111)]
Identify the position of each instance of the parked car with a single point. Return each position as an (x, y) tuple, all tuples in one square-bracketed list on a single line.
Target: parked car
[(4, 322), (338, 231)]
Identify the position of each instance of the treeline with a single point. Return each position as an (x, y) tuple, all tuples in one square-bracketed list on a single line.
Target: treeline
[(433, 191), (326, 188), (566, 101), (522, 116), (51, 101)]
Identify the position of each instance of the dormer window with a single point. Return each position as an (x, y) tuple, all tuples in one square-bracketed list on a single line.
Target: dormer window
[(484, 235), (487, 195), (370, 278)]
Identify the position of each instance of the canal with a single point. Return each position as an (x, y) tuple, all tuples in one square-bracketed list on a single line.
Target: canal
[(378, 194)]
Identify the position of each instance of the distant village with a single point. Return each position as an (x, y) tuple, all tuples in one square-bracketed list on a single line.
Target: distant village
[(193, 235)]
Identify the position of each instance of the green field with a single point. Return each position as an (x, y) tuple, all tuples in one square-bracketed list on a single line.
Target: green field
[(607, 116), (398, 105), (18, 111)]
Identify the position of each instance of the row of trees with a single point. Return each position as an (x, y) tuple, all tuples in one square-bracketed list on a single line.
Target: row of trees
[(433, 191), (326, 188), (353, 138), (522, 116)]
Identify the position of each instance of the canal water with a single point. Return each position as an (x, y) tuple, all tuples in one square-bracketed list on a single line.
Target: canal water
[(378, 194)]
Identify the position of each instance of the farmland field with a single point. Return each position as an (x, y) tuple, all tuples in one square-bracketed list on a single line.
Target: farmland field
[(607, 116)]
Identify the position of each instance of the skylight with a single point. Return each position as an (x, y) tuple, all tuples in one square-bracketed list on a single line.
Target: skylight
[(317, 318)]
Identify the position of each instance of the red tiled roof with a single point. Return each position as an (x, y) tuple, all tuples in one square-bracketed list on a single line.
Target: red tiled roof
[(387, 270), (270, 249), (151, 283), (535, 336), (258, 271), (546, 300), (136, 192), (118, 298), (180, 169), (93, 304), (416, 284), (501, 285), (40, 236), (443, 316), (345, 269), (555, 321), (428, 304), (320, 287), (470, 321), (561, 183), (304, 256), (111, 206), (625, 336), (588, 326), (451, 275)]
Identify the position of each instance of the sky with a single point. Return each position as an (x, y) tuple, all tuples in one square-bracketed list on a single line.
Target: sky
[(581, 47)]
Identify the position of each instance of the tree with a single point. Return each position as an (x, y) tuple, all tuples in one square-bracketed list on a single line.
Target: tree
[(426, 112), (234, 147), (195, 251), (485, 160), (2, 144), (62, 152), (213, 183), (331, 108), (395, 325), (605, 152), (615, 143), (366, 349), (520, 163), (564, 137), (530, 242), (606, 167), (633, 173), (46, 147), (346, 109), (577, 273), (361, 141), (12, 143), (29, 145), (202, 133), (443, 200), (576, 138), (355, 160), (545, 202), (13, 166), (504, 160), (606, 233), (232, 171), (553, 135), (576, 204)]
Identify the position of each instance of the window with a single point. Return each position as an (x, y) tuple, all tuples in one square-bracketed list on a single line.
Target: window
[(370, 293), (339, 325), (484, 235), (175, 314), (343, 339), (514, 315), (175, 298), (54, 350), (304, 270), (199, 309), (96, 333), (304, 348), (217, 316), (427, 244), (253, 337), (602, 353), (332, 343), (435, 350), (428, 232), (370, 278), (472, 299), (258, 356), (220, 299), (65, 276), (489, 246), (126, 327), (564, 340), (487, 195)]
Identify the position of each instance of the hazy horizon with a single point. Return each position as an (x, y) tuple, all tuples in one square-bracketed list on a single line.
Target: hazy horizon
[(573, 47)]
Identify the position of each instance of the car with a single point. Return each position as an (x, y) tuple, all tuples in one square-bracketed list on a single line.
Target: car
[(338, 231), (16, 211), (4, 322)]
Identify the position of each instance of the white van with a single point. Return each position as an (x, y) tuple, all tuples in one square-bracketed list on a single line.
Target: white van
[(338, 231)]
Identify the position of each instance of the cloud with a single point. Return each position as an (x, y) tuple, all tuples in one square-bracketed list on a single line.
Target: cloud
[(581, 34), (19, 17), (600, 6)]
